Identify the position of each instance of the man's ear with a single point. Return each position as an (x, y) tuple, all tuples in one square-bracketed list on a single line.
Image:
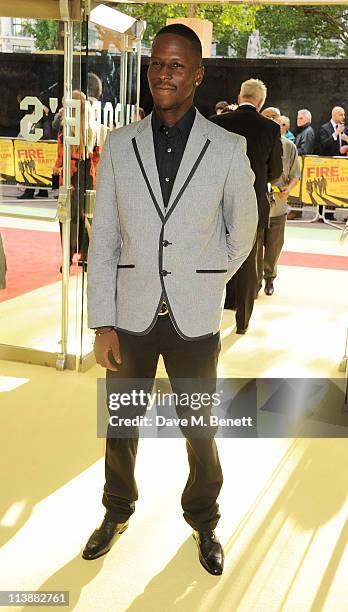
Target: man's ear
[(199, 76), (260, 105), (238, 100)]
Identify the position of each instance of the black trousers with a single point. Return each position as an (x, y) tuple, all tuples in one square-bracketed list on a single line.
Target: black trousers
[(184, 359), (242, 288)]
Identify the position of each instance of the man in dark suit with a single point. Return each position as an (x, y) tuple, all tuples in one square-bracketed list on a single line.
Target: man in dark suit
[(333, 135), (264, 150)]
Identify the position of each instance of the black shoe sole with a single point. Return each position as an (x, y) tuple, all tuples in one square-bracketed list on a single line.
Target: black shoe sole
[(106, 550)]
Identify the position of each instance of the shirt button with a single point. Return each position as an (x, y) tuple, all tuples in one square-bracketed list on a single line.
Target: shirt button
[(166, 179), (169, 150), (165, 243)]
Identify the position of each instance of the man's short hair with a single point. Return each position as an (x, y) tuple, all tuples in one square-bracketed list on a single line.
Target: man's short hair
[(253, 89), (306, 112), (182, 30)]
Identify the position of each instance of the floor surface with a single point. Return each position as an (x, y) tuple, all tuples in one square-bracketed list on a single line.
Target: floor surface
[(284, 505)]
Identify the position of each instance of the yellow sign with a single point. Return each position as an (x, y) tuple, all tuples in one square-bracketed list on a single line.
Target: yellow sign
[(34, 162), (6, 162), (324, 181)]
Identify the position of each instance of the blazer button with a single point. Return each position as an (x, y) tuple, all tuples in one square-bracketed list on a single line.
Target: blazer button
[(165, 243), (164, 272)]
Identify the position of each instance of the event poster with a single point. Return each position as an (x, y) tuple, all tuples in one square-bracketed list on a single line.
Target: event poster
[(7, 176), (325, 181), (34, 162)]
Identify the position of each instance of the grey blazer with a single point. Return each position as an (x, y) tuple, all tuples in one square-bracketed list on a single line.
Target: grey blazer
[(139, 252)]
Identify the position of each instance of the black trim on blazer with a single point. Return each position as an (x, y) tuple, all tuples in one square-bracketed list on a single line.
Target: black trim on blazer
[(125, 265), (164, 219), (153, 197), (210, 271), (188, 180)]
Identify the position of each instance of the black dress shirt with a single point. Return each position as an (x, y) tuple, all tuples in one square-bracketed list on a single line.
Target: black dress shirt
[(170, 143)]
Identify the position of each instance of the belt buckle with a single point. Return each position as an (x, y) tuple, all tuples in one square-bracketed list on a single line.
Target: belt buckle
[(163, 310)]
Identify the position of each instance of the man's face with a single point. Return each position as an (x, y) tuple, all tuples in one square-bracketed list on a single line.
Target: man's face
[(338, 115), (173, 73), (302, 119)]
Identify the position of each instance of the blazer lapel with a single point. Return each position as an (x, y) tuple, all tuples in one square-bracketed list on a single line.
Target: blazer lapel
[(146, 149), (195, 144)]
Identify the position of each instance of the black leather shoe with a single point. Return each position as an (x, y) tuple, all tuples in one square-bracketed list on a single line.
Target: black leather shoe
[(269, 289), (241, 330), (25, 196), (103, 538), (211, 554)]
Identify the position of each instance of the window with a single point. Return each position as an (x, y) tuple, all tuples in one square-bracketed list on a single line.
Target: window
[(17, 26), (21, 49)]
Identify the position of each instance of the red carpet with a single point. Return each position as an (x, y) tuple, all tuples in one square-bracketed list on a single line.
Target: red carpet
[(314, 260), (33, 260)]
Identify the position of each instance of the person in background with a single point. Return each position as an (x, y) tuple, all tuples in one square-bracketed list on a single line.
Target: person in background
[(220, 106), (305, 137), (285, 122), (334, 134), (333, 137), (271, 240), (82, 169), (94, 87), (305, 143), (264, 150)]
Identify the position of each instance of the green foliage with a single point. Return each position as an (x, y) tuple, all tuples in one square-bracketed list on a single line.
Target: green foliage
[(311, 28), (45, 33), (231, 24)]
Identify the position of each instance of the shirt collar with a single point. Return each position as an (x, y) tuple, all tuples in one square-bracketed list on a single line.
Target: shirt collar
[(183, 126), (333, 124), (247, 104)]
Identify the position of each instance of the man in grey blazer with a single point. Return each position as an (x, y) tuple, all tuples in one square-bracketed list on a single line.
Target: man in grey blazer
[(175, 217)]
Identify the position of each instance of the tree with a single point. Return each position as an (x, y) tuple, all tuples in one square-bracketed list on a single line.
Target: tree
[(317, 29), (231, 24), (311, 29), (45, 33), (49, 34)]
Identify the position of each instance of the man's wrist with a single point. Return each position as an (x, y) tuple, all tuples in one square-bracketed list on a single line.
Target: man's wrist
[(99, 331)]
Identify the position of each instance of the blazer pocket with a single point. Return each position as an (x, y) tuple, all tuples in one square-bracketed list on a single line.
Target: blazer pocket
[(211, 271), (125, 265)]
